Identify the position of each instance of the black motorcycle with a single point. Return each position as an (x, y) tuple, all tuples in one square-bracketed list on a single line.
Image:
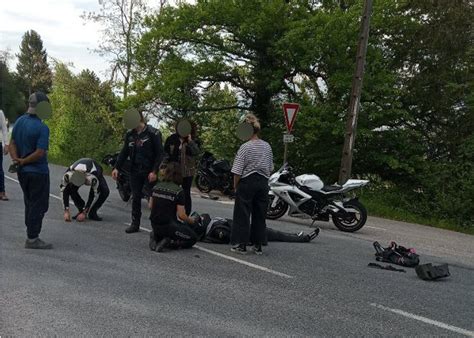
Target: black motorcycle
[(123, 179), (214, 174)]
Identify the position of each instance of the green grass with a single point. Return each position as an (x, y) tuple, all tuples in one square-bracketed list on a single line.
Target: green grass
[(377, 205)]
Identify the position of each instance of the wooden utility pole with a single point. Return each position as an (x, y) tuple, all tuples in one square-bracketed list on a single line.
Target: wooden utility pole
[(351, 124)]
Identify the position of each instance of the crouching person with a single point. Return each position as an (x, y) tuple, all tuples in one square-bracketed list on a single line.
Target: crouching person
[(168, 216), (90, 174)]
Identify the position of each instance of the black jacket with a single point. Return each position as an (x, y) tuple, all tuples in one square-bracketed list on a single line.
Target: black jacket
[(145, 150)]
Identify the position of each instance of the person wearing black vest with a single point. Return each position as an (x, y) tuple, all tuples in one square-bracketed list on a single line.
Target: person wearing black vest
[(143, 146), (169, 220)]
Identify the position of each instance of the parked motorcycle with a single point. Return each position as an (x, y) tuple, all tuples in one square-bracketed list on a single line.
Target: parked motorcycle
[(123, 179), (214, 174), (307, 195)]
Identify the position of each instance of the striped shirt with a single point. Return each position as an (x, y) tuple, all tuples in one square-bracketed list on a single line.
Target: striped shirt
[(254, 156)]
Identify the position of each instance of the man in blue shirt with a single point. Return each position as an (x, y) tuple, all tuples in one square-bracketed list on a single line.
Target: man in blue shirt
[(28, 149)]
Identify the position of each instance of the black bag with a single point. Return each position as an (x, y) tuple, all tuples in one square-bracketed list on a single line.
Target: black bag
[(396, 254), (430, 272)]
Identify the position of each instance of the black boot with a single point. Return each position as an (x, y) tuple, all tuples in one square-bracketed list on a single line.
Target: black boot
[(93, 216), (162, 244), (152, 244), (133, 228)]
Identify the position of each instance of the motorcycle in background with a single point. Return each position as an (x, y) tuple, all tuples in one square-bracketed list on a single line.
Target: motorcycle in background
[(123, 179), (214, 174), (307, 195)]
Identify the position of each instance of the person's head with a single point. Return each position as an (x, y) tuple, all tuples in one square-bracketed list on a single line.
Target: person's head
[(171, 172), (33, 101), (253, 121), (75, 177)]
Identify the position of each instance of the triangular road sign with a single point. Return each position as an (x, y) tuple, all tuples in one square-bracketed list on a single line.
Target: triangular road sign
[(290, 110)]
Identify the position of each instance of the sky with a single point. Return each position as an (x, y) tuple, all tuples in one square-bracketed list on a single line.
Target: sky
[(66, 36)]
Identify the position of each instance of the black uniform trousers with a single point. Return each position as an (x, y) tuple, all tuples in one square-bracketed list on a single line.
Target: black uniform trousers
[(36, 197), (250, 210), (182, 235), (138, 181)]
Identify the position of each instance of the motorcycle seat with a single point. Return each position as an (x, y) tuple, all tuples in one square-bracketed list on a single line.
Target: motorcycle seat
[(328, 188)]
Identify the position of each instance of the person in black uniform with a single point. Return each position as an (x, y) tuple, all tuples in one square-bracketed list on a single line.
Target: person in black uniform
[(168, 217), (143, 146), (93, 177)]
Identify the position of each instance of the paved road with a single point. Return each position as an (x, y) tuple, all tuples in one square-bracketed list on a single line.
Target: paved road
[(100, 281)]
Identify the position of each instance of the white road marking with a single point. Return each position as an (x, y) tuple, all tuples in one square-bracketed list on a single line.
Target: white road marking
[(368, 226), (215, 253), (426, 320), (53, 196)]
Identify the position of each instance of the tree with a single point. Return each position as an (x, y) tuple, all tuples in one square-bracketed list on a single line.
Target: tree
[(189, 48), (32, 67), (84, 122), (122, 25), (11, 99)]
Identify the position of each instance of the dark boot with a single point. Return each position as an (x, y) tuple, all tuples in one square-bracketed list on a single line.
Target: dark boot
[(133, 228), (162, 244), (152, 244), (93, 216)]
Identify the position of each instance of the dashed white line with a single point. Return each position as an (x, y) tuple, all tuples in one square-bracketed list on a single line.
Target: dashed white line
[(240, 261), (426, 320)]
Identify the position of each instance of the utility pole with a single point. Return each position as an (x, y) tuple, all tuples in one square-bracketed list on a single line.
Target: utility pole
[(351, 123)]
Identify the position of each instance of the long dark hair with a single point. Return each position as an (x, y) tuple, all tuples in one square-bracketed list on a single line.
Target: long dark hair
[(171, 172)]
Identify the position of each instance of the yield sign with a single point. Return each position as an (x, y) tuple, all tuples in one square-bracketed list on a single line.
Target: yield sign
[(290, 110)]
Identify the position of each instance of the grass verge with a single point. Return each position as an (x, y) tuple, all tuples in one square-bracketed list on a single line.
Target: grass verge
[(379, 206)]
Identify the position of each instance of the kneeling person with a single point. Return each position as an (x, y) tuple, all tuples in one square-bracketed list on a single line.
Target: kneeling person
[(90, 174), (168, 216)]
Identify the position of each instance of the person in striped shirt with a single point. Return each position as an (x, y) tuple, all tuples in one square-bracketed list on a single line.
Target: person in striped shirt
[(252, 167)]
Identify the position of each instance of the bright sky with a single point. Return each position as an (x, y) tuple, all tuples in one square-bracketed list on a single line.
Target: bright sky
[(65, 35)]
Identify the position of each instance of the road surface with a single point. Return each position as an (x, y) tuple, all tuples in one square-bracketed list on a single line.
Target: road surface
[(100, 281)]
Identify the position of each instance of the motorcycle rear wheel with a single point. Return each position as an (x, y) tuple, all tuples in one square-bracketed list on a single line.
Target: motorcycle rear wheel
[(353, 223), (203, 184), (278, 211)]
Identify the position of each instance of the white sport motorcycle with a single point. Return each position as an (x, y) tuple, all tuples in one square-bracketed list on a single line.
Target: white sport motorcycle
[(307, 195)]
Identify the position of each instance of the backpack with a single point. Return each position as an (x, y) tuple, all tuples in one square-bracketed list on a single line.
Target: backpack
[(396, 254)]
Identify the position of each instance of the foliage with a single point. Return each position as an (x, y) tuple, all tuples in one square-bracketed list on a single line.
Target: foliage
[(12, 101), (122, 25), (84, 122), (32, 67)]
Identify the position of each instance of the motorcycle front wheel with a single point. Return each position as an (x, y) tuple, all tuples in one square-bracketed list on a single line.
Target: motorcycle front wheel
[(278, 210), (203, 184), (354, 221)]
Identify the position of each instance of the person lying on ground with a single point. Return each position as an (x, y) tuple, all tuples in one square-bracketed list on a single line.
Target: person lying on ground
[(168, 216), (90, 174), (217, 230)]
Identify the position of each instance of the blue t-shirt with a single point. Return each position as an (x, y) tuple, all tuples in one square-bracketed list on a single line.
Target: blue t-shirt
[(29, 134)]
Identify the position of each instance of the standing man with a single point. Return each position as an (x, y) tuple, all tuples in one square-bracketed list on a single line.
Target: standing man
[(143, 146), (3, 151), (28, 149), (92, 175)]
